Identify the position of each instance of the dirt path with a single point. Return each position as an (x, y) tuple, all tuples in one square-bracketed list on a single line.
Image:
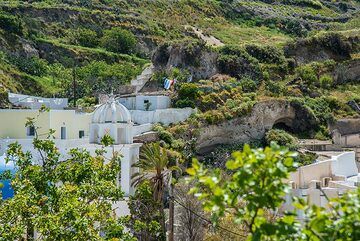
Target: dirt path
[(143, 78), (210, 40)]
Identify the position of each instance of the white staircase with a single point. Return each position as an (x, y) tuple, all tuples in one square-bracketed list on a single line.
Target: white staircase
[(143, 78)]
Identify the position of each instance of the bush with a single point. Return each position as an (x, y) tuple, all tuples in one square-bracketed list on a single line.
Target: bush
[(335, 42), (164, 134), (213, 117), (236, 62), (84, 37), (185, 103), (282, 138), (188, 91), (294, 27), (274, 88), (119, 40), (266, 54), (86, 102), (248, 85), (32, 66), (100, 77), (326, 81), (307, 74), (11, 24)]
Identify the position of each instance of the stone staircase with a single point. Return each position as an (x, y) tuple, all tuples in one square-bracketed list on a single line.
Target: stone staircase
[(143, 78)]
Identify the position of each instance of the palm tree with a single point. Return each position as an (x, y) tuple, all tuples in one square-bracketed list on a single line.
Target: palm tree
[(154, 167)]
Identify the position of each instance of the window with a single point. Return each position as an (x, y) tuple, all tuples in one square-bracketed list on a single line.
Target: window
[(81, 134), (147, 105), (30, 131), (63, 133)]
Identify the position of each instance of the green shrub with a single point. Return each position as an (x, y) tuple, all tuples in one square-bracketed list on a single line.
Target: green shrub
[(164, 134), (98, 76), (84, 37), (282, 138), (86, 102), (266, 54), (307, 74), (119, 40), (320, 107), (326, 81), (32, 66), (236, 62), (306, 158), (213, 117), (248, 85), (274, 88), (188, 91), (11, 24), (294, 27), (336, 42), (305, 3), (183, 103)]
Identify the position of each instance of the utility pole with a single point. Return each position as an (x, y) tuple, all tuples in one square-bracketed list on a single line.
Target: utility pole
[(171, 212), (74, 86)]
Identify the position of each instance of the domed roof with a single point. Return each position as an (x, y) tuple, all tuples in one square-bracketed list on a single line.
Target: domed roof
[(111, 112)]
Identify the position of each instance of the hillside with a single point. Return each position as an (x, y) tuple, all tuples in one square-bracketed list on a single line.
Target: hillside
[(289, 49)]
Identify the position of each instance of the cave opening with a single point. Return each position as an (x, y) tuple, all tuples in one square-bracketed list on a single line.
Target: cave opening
[(285, 124)]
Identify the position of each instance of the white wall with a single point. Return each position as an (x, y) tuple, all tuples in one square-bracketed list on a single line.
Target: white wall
[(344, 165), (129, 152), (63, 145), (34, 102), (164, 116), (137, 102), (140, 129), (340, 165)]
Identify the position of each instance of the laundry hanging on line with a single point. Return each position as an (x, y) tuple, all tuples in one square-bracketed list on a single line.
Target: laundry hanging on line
[(168, 83)]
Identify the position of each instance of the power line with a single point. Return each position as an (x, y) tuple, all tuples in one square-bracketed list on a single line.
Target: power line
[(207, 220)]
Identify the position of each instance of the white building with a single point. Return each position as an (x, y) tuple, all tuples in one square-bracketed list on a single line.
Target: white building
[(154, 109), (146, 102), (346, 132), (110, 118), (34, 102), (332, 177)]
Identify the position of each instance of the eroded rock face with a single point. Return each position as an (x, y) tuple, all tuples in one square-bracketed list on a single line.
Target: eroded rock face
[(262, 118), (198, 59), (347, 72), (329, 46)]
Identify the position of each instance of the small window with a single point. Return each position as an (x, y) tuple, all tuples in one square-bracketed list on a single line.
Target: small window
[(146, 101), (63, 133), (81, 134), (30, 131)]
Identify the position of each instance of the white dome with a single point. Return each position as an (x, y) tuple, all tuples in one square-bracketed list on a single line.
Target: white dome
[(111, 112)]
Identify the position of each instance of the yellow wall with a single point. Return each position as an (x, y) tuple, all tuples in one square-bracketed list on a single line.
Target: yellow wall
[(12, 123), (72, 121)]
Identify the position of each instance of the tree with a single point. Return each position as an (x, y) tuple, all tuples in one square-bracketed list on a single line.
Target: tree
[(255, 188), (189, 226), (341, 222), (256, 185), (145, 218), (61, 199), (155, 167), (99, 77), (84, 37), (119, 40)]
